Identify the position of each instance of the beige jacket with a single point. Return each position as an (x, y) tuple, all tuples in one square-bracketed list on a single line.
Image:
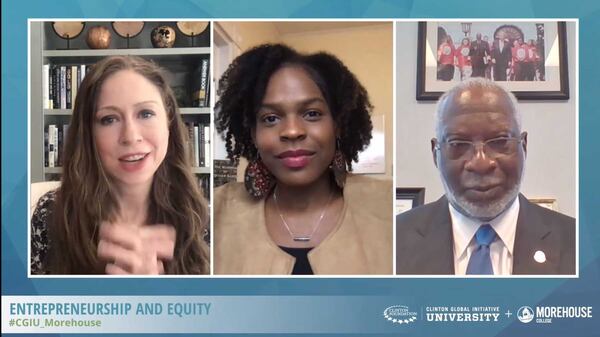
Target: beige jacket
[(360, 244)]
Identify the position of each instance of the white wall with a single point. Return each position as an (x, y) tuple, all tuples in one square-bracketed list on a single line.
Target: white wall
[(551, 159)]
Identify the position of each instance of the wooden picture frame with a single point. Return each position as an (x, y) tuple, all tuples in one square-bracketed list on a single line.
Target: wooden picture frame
[(408, 198), (545, 60), (549, 203)]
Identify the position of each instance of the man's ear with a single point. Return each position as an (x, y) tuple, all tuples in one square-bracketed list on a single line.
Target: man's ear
[(434, 150), (524, 142)]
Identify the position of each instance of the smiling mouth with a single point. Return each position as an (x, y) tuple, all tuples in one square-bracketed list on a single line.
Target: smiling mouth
[(483, 188), (295, 154), (296, 159), (133, 158)]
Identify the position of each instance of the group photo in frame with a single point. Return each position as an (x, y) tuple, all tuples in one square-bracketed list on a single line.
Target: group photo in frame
[(528, 57)]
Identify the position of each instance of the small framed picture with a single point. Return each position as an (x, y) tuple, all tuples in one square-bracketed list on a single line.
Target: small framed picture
[(548, 203), (528, 57), (408, 198)]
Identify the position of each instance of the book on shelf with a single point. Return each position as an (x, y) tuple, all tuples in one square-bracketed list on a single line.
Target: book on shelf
[(55, 87), (196, 142), (200, 85), (46, 146), (206, 145), (46, 87), (201, 146), (189, 142), (51, 146), (63, 87), (68, 84), (74, 86), (59, 146)]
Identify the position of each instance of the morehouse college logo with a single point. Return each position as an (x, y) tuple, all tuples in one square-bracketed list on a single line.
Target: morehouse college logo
[(525, 314), (399, 314)]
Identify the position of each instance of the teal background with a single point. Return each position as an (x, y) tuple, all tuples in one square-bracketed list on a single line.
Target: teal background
[(506, 293)]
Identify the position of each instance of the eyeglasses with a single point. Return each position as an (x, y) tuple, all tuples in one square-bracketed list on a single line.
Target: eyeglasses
[(494, 148)]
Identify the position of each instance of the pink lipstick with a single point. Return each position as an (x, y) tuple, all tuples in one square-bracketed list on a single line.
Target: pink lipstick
[(296, 159)]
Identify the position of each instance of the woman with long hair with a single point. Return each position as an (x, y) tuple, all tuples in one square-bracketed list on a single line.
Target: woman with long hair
[(128, 202), (300, 120)]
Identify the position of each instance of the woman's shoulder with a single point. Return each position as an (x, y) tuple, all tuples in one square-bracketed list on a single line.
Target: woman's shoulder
[(45, 204), (39, 231)]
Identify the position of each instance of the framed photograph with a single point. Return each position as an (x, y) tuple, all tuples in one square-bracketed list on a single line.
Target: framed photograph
[(408, 198), (528, 57), (548, 203)]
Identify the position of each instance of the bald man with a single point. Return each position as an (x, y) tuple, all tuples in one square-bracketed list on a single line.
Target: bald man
[(482, 225)]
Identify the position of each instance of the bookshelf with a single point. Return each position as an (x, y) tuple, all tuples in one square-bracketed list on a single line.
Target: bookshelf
[(183, 63)]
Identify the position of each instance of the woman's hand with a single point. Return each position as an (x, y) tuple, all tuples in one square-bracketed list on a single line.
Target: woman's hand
[(135, 250)]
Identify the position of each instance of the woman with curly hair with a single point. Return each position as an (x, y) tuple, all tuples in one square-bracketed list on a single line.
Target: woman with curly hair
[(300, 120), (128, 202)]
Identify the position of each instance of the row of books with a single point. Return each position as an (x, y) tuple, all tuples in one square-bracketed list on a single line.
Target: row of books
[(54, 136), (60, 84), (199, 143), (198, 133)]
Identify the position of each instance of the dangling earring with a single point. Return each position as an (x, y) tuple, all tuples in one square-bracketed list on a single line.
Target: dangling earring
[(257, 179), (338, 166)]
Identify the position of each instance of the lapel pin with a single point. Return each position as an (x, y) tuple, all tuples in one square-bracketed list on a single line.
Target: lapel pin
[(539, 257)]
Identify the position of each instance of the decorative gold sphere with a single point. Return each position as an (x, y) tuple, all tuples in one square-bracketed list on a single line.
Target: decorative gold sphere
[(98, 37)]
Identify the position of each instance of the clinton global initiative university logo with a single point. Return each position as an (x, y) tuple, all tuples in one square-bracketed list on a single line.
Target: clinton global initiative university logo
[(399, 314), (525, 314)]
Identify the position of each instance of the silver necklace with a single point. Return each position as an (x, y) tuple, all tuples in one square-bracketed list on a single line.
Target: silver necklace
[(301, 238)]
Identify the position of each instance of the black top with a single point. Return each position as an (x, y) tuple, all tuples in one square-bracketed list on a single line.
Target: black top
[(39, 233), (302, 266)]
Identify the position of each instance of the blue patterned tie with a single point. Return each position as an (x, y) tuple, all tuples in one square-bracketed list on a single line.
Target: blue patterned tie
[(480, 262)]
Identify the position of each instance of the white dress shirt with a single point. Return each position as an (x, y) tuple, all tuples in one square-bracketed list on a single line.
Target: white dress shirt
[(501, 250)]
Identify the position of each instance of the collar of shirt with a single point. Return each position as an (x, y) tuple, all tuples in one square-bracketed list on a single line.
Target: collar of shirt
[(464, 228)]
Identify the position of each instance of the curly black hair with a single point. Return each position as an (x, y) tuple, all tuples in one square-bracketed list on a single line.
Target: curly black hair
[(242, 88)]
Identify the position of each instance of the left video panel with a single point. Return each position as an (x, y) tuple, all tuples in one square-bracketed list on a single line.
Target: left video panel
[(119, 126)]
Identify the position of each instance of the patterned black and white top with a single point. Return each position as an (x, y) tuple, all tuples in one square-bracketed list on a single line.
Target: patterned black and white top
[(39, 233), (40, 221)]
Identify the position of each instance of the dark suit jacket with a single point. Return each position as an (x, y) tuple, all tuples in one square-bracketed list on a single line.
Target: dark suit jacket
[(503, 56), (424, 243), (479, 50)]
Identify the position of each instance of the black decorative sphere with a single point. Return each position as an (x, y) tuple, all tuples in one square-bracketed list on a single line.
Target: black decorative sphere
[(163, 37)]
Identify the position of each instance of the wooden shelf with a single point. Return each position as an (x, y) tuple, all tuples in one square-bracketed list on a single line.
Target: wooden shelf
[(201, 170), (195, 111), (52, 170), (133, 51)]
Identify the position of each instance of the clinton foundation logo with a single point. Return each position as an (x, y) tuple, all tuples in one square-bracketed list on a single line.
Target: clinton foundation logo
[(399, 314)]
